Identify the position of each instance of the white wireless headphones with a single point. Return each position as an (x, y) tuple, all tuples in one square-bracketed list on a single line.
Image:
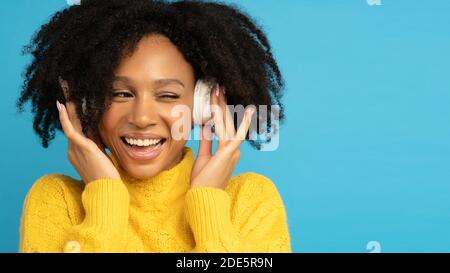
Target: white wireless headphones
[(201, 112)]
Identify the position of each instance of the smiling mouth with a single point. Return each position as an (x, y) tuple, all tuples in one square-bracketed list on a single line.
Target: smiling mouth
[(143, 143), (143, 149)]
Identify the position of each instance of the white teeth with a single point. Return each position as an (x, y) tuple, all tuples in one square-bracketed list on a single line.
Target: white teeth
[(142, 142)]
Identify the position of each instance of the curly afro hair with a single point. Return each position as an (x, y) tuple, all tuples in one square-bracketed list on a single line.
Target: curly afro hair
[(84, 44)]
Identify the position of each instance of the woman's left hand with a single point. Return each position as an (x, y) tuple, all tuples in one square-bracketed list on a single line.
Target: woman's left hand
[(216, 170)]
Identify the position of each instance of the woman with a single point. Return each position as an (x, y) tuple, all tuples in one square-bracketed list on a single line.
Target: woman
[(116, 70)]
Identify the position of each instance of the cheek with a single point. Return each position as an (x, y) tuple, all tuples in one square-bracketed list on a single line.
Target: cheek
[(109, 122)]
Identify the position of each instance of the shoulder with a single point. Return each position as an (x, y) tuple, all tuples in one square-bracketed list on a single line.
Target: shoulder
[(54, 188), (252, 186), (53, 200), (254, 196), (56, 182)]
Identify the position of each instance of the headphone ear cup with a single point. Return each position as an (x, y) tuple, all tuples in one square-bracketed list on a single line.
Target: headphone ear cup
[(201, 112)]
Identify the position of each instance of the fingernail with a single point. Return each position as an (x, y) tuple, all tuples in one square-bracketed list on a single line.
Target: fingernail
[(58, 105), (217, 90), (250, 111)]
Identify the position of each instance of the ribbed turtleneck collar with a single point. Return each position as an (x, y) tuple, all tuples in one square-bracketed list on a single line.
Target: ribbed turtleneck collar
[(161, 191)]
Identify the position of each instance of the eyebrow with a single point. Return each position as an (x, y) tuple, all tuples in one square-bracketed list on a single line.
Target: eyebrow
[(161, 82), (168, 81)]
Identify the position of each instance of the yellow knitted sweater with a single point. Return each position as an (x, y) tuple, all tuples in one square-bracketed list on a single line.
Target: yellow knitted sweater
[(160, 214)]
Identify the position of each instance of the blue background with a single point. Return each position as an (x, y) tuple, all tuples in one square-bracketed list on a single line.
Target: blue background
[(365, 151)]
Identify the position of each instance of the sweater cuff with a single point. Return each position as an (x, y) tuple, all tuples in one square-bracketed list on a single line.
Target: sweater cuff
[(208, 213), (106, 203)]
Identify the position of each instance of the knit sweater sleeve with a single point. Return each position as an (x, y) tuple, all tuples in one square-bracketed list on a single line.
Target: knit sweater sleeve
[(248, 216), (46, 225)]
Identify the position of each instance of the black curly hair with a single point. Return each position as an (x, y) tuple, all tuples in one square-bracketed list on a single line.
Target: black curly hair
[(85, 43)]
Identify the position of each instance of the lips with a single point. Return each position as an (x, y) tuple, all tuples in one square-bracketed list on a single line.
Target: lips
[(143, 146)]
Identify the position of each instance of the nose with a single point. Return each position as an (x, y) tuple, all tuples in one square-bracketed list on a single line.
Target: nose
[(144, 113)]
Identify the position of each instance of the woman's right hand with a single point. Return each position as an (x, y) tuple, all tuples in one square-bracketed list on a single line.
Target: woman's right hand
[(86, 155)]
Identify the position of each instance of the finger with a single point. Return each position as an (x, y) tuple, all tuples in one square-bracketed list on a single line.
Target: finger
[(228, 118), (205, 147), (72, 113), (244, 126), (219, 128), (66, 125)]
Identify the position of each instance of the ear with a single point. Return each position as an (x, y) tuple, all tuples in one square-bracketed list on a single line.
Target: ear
[(64, 86)]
